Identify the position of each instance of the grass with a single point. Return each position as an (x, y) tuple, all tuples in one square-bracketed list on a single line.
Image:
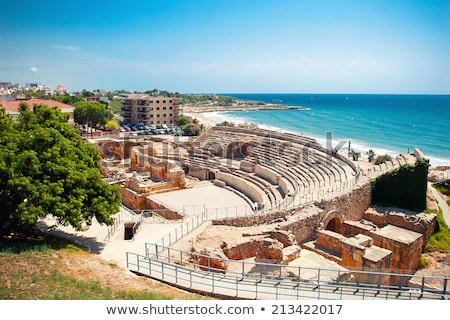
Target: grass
[(35, 269), (424, 262), (440, 239), (444, 189)]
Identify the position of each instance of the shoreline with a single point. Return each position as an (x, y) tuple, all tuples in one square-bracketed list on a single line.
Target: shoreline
[(239, 107), (211, 115), (209, 122)]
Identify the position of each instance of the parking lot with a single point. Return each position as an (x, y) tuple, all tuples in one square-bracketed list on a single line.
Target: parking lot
[(141, 129)]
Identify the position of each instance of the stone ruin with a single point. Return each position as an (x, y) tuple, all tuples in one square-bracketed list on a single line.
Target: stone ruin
[(268, 169), (378, 240)]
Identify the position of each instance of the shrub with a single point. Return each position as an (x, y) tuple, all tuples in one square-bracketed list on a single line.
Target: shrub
[(405, 187), (424, 262), (382, 159)]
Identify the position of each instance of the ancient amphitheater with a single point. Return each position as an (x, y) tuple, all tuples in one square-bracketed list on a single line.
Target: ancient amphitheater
[(304, 226)]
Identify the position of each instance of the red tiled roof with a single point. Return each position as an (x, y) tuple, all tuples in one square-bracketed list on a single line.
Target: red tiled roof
[(14, 105)]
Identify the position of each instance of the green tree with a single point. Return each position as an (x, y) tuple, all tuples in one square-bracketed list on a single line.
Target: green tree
[(47, 169), (91, 113), (87, 93), (184, 120), (371, 155), (355, 155), (192, 129), (67, 98)]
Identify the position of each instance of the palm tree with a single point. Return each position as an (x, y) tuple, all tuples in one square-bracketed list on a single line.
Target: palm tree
[(355, 155), (371, 154)]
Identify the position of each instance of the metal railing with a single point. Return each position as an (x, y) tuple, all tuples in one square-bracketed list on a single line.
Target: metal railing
[(114, 227), (249, 280)]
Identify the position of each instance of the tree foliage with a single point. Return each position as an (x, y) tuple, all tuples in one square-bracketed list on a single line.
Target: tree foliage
[(382, 159), (184, 120), (47, 169), (92, 113), (192, 129), (370, 155), (355, 155), (405, 187)]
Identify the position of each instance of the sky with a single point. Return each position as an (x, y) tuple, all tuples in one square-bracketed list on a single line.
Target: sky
[(235, 46)]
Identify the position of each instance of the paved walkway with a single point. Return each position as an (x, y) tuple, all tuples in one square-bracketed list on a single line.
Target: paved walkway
[(442, 203), (151, 230)]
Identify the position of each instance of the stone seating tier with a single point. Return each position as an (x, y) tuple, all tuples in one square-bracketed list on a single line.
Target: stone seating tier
[(302, 164)]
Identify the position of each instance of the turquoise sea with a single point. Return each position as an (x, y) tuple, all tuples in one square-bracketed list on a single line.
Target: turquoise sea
[(391, 124)]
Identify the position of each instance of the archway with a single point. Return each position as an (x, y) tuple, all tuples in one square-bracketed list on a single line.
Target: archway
[(332, 221), (334, 225)]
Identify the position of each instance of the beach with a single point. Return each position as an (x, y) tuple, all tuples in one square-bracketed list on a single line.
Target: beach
[(387, 124), (200, 116)]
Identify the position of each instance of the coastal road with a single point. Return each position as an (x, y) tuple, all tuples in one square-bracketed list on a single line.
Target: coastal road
[(442, 203)]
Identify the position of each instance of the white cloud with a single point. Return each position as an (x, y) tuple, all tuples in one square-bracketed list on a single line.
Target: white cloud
[(34, 69)]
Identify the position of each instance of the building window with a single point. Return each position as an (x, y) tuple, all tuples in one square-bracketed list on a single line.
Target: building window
[(164, 101), (157, 115), (170, 108), (170, 101), (164, 108), (164, 115), (157, 101), (157, 108)]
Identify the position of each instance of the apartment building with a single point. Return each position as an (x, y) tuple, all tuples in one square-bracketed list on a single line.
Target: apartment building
[(150, 110)]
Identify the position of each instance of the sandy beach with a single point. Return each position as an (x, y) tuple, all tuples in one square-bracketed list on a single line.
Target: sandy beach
[(200, 116)]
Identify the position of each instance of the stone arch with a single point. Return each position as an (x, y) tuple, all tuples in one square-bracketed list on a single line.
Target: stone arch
[(332, 221), (211, 175)]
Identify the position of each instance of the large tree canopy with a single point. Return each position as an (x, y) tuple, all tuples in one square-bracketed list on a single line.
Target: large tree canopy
[(92, 113), (47, 169)]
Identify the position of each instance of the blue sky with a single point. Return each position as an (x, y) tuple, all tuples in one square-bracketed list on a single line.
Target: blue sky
[(236, 46)]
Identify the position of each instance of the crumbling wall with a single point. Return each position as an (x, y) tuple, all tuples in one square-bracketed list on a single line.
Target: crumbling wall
[(422, 223), (351, 205), (137, 201)]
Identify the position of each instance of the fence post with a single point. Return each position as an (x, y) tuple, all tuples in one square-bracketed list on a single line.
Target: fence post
[(444, 290), (212, 281), (168, 254)]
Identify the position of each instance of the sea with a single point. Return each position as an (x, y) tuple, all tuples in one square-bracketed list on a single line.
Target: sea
[(388, 124)]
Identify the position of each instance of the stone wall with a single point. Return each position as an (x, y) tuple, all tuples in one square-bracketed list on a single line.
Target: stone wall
[(201, 173), (303, 223), (330, 240), (137, 201), (351, 205), (406, 245), (422, 223)]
